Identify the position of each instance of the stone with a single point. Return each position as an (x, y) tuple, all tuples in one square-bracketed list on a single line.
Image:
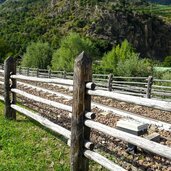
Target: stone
[(122, 103), (137, 107), (133, 127), (70, 115), (104, 113), (130, 125), (153, 128)]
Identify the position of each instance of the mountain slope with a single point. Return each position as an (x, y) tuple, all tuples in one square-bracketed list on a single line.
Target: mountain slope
[(1, 1), (24, 21), (165, 2)]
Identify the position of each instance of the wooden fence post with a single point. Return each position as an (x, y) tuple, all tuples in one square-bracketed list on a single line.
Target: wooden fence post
[(110, 79), (9, 69), (49, 73), (81, 104), (19, 70), (37, 72), (64, 74), (28, 71), (149, 87)]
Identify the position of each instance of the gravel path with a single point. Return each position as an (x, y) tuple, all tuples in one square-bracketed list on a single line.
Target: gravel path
[(115, 148)]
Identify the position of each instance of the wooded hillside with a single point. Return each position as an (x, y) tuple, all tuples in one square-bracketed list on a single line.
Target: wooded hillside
[(106, 24)]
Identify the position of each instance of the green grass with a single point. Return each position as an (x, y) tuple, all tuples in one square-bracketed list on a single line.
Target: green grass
[(26, 146), (163, 11)]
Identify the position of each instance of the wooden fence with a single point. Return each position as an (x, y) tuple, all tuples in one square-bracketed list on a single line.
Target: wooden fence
[(82, 116), (147, 87)]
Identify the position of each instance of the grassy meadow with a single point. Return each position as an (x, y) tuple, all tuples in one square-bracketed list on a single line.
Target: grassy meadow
[(25, 146)]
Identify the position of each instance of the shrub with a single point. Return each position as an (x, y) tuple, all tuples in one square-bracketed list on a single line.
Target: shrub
[(38, 55), (134, 67), (122, 60), (167, 61), (166, 76), (71, 47)]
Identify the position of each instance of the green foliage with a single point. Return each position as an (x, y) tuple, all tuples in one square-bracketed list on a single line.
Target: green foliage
[(88, 2), (25, 21), (167, 61), (25, 146), (102, 46), (134, 67), (4, 50), (70, 47), (156, 9), (116, 55), (166, 76), (80, 23), (38, 55), (122, 60)]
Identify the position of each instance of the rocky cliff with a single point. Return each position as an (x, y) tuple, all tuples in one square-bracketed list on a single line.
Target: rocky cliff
[(22, 22), (149, 35)]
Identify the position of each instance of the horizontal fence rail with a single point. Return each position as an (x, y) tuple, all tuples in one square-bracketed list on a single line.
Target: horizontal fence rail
[(45, 80), (43, 121), (136, 86), (140, 142), (102, 161), (157, 104), (42, 100), (81, 114)]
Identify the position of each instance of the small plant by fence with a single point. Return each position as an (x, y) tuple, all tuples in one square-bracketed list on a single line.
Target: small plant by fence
[(82, 117)]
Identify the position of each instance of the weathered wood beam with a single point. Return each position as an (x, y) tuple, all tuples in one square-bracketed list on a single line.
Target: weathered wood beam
[(42, 100), (153, 147), (9, 98), (43, 121), (102, 161), (44, 90), (157, 104), (149, 87), (44, 80), (81, 103)]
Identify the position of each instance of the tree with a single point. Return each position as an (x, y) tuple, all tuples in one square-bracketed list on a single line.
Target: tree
[(38, 55), (70, 47), (123, 60), (118, 53), (4, 50)]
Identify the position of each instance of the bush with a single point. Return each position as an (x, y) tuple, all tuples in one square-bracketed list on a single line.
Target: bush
[(134, 67), (71, 47), (166, 76), (38, 55), (122, 60), (167, 61)]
